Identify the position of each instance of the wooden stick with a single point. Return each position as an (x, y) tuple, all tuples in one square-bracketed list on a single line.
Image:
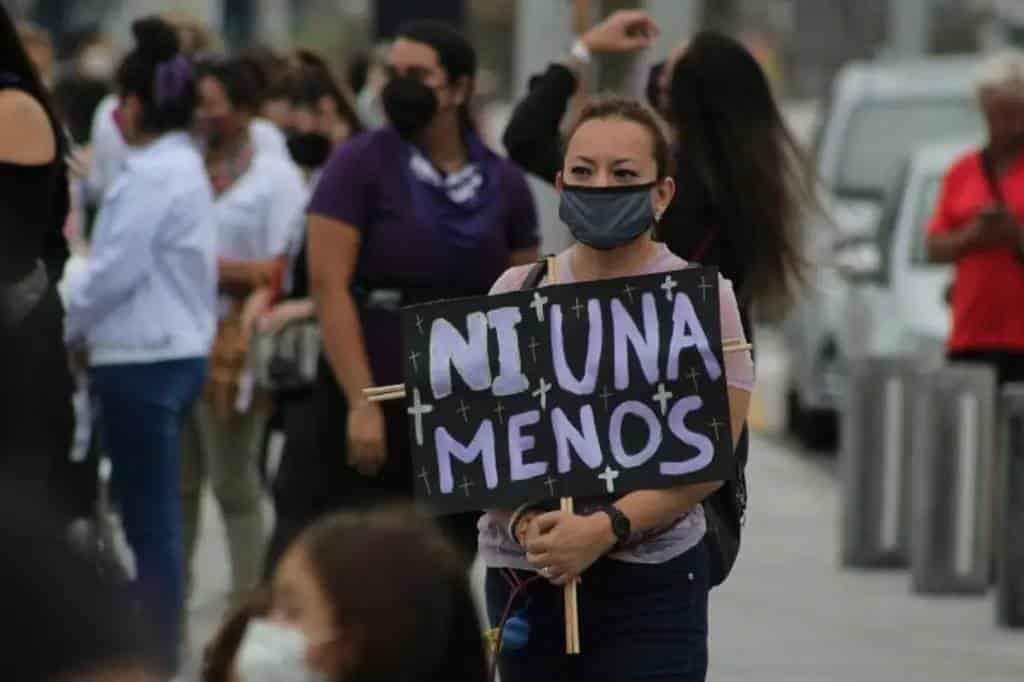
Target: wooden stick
[(736, 347), (382, 397), (377, 390), (572, 611)]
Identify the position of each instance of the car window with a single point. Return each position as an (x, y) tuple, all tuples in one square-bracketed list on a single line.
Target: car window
[(881, 134), (923, 210), (888, 222)]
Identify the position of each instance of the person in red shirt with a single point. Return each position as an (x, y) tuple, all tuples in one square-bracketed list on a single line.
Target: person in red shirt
[(977, 225)]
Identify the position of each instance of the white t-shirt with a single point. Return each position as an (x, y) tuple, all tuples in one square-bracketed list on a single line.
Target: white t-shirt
[(109, 150), (257, 216), (267, 138)]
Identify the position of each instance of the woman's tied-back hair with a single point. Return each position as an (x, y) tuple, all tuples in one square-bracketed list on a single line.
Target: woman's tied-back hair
[(160, 76), (610, 106), (400, 589)]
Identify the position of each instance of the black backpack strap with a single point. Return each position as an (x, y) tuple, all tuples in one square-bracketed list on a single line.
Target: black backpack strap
[(536, 274)]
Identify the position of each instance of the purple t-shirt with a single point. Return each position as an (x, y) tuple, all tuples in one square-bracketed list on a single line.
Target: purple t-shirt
[(414, 238)]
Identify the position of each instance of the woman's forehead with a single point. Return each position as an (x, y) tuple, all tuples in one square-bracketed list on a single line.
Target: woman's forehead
[(618, 138), (407, 54)]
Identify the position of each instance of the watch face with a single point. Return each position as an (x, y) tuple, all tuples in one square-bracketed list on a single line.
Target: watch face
[(620, 526)]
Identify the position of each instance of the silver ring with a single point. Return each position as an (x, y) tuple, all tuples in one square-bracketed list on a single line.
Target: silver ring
[(546, 571)]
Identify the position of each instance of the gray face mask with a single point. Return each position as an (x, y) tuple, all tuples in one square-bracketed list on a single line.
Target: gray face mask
[(607, 217)]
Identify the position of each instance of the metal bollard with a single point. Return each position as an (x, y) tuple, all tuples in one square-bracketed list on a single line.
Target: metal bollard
[(875, 462), (1010, 514), (953, 467)]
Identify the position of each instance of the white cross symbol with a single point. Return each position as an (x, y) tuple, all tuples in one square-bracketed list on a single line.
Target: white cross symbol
[(426, 479), (542, 393), (704, 286), (417, 411), (538, 305), (578, 308), (550, 483), (693, 376), (605, 396), (669, 285), (419, 324), (609, 477), (534, 345), (629, 292), (414, 357), (716, 425), (466, 485), (500, 411), (662, 396), (463, 410)]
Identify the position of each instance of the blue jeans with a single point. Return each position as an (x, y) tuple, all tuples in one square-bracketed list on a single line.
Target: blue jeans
[(142, 407), (638, 623)]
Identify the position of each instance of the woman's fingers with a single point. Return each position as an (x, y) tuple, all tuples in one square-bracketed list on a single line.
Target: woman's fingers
[(538, 544), (546, 522)]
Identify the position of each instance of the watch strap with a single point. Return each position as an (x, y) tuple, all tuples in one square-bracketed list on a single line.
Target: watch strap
[(580, 52), (621, 525)]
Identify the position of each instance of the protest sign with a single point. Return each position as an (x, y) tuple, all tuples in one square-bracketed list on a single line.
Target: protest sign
[(571, 390)]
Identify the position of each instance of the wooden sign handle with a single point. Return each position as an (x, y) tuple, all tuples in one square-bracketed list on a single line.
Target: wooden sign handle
[(572, 607)]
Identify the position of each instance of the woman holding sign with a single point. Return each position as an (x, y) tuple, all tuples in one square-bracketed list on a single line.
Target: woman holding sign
[(641, 558)]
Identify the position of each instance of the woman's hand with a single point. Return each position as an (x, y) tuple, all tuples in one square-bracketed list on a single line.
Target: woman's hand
[(285, 313), (367, 441), (562, 546), (622, 31), (255, 307), (994, 228)]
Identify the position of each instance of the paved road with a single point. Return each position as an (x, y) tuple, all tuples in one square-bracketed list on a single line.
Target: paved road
[(788, 614)]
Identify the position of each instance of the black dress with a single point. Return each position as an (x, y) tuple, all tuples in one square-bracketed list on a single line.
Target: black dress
[(36, 416)]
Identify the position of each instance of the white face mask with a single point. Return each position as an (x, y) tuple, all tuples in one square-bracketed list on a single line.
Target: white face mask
[(274, 653)]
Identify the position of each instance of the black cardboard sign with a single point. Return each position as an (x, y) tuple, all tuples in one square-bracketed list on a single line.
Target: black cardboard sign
[(568, 390)]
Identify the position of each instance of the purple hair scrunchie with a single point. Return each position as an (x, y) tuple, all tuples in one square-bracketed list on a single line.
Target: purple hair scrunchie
[(172, 77)]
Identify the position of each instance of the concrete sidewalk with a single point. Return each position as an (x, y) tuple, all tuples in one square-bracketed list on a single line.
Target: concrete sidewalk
[(788, 613)]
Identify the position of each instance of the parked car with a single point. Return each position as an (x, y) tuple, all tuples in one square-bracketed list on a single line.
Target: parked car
[(878, 113), (899, 306)]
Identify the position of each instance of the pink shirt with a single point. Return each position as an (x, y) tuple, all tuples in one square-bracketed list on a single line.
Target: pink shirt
[(499, 550)]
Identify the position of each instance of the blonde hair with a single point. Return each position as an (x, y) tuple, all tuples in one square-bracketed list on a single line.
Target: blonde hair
[(1002, 72)]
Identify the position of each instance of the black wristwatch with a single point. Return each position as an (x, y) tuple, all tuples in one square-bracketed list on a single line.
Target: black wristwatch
[(621, 525)]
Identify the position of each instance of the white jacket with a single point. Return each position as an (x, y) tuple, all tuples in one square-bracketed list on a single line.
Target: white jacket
[(148, 290)]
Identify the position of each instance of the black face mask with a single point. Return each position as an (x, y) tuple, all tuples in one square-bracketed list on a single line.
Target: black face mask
[(409, 104), (309, 150), (606, 217)]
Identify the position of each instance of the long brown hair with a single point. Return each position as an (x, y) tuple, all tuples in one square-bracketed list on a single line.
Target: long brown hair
[(401, 589), (745, 162)]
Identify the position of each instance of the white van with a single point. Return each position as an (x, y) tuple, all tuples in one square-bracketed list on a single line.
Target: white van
[(899, 307), (879, 112)]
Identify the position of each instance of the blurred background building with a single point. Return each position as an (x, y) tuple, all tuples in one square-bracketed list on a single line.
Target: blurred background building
[(802, 42)]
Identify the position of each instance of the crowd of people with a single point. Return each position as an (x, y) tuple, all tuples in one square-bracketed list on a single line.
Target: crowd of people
[(242, 198)]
